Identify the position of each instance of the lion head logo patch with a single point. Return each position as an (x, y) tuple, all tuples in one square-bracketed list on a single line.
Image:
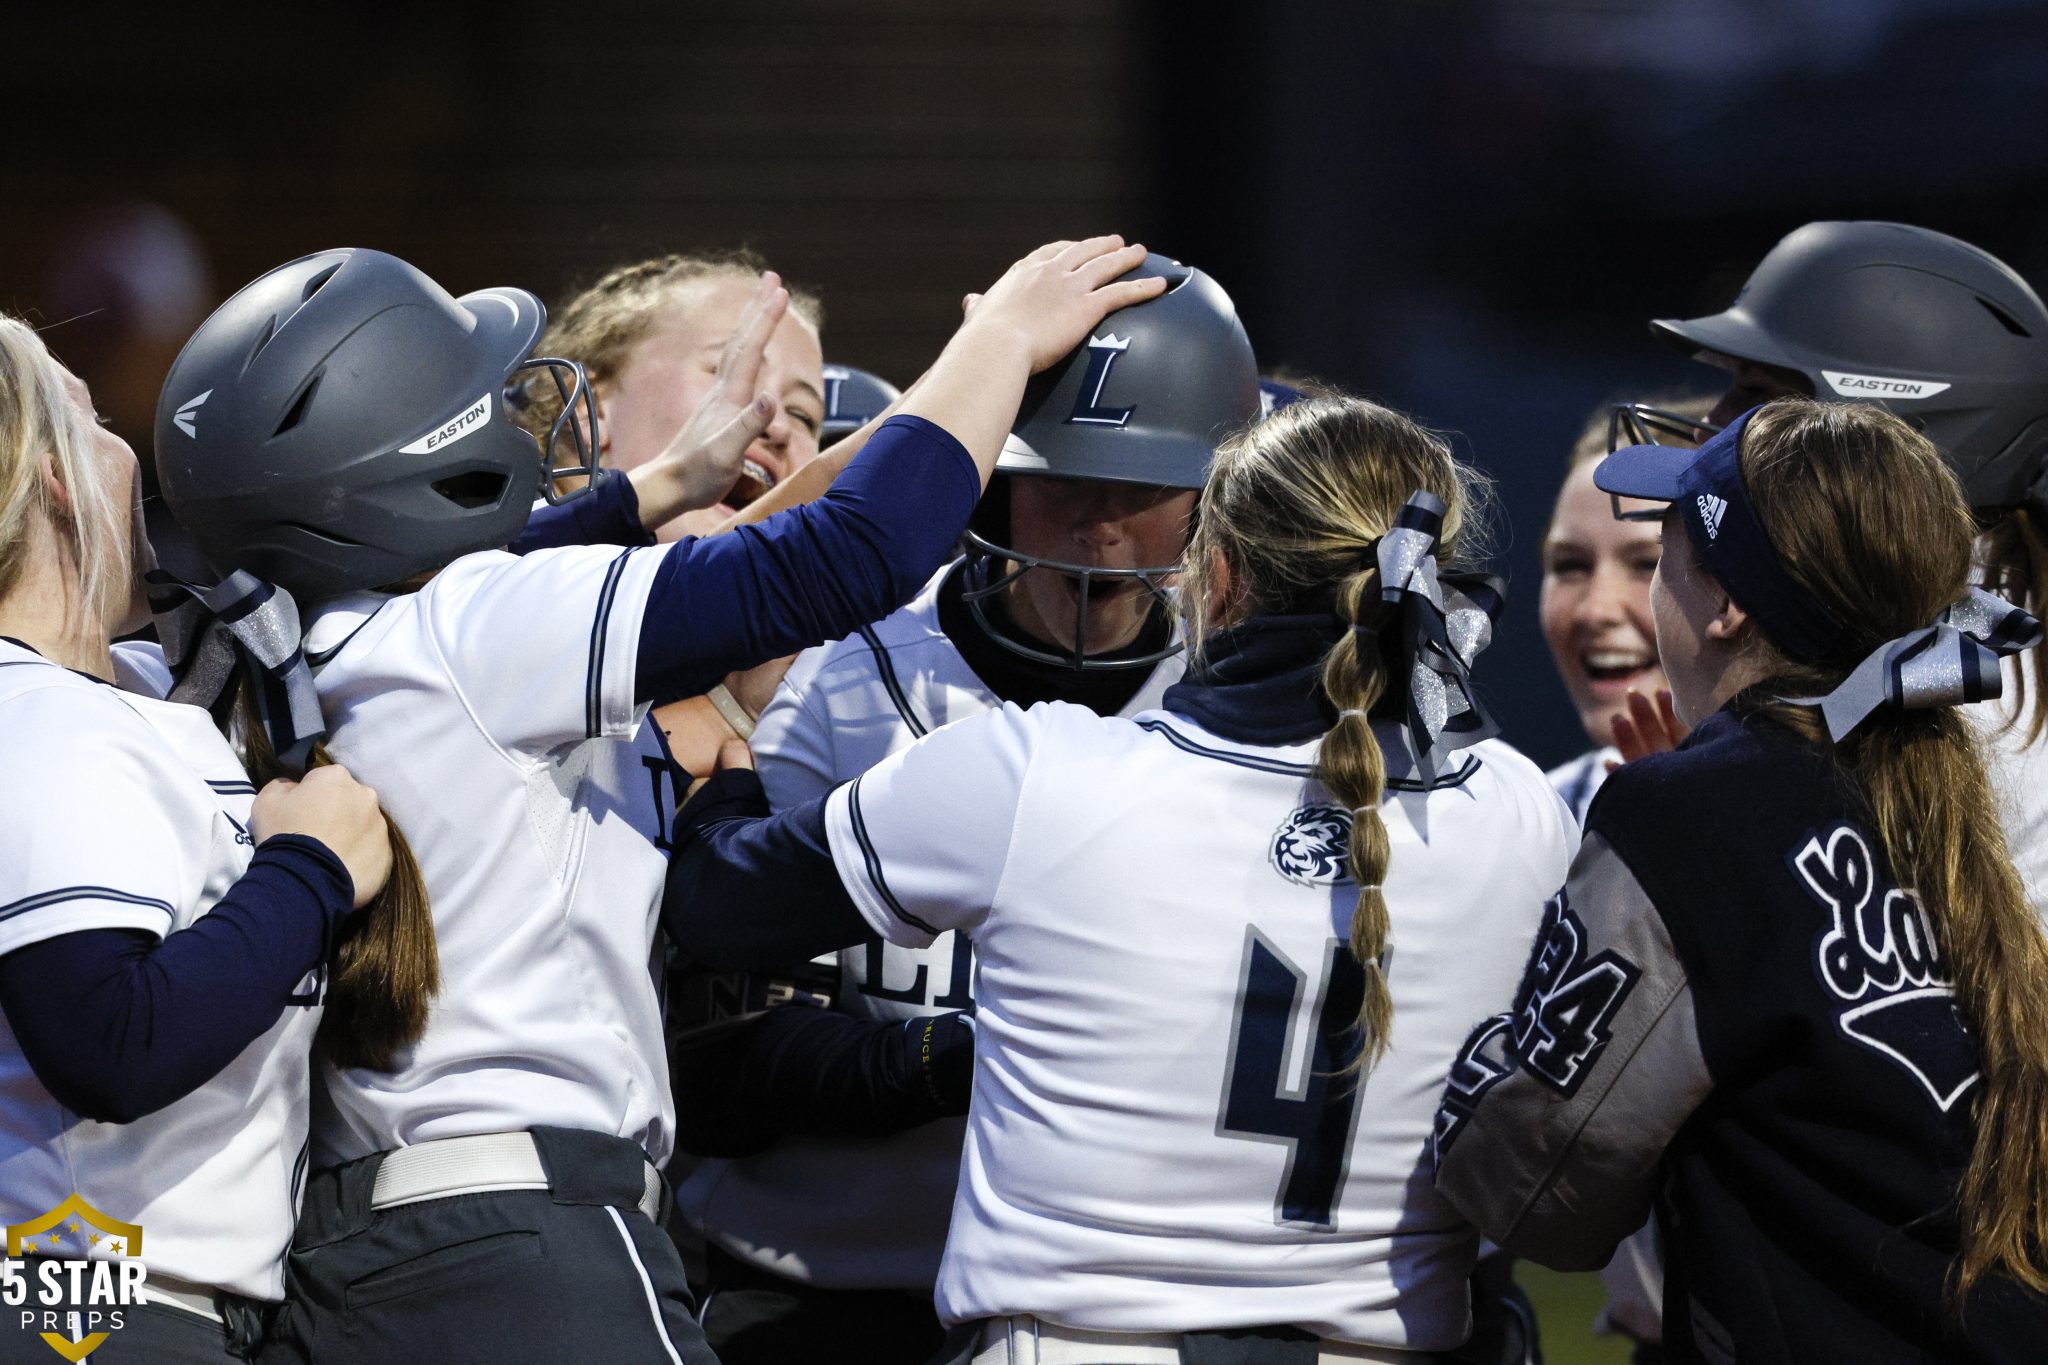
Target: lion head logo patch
[(1313, 847)]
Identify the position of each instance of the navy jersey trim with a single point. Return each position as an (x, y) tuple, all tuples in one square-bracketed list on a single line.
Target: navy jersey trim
[(232, 788), (1252, 761), (1456, 778), (318, 658), (874, 864), (593, 678), (44, 899), (885, 669)]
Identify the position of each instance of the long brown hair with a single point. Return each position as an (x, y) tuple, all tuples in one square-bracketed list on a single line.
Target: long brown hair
[(1871, 522), (387, 964), (1294, 505)]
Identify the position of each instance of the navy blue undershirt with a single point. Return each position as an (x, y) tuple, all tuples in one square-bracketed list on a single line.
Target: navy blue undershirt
[(802, 1069), (117, 1023), (1258, 686), (805, 575), (609, 514)]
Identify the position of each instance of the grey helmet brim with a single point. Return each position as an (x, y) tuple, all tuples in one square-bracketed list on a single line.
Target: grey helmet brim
[(1732, 333), (1154, 461), (509, 322)]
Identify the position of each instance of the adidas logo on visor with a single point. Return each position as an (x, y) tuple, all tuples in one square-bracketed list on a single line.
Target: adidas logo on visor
[(1711, 511)]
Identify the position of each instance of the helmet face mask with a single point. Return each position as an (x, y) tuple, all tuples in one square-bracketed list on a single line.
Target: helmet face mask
[(574, 391), (987, 582), (999, 571), (1640, 424), (1142, 402)]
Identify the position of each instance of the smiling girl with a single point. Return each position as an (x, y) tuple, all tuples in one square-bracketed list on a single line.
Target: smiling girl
[(1595, 606)]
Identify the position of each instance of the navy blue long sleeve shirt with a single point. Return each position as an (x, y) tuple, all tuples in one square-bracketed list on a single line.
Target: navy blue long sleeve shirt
[(803, 576), (117, 1023)]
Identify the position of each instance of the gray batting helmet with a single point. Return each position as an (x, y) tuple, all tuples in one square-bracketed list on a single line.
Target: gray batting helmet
[(340, 423), (1146, 399), (1929, 327), (1149, 396), (852, 398)]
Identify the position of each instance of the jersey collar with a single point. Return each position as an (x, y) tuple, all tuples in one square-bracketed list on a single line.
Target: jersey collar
[(337, 622)]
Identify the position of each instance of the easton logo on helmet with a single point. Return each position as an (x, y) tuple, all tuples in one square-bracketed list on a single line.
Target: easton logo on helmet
[(188, 414), (1088, 409), (1312, 847), (469, 419), (1880, 386)]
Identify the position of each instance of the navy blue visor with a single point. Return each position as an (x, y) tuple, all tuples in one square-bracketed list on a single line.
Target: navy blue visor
[(1706, 488)]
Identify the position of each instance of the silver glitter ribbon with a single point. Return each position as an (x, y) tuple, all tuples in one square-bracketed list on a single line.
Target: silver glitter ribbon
[(1445, 621), (241, 625), (1950, 663)]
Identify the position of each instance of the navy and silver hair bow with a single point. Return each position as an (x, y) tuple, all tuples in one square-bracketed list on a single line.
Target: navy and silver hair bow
[(240, 624), (1445, 620), (1953, 661)]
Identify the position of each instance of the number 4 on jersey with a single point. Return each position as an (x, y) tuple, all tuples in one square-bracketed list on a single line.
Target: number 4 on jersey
[(1263, 1102)]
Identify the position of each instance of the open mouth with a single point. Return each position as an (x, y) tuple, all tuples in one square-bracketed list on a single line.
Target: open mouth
[(755, 479), (1617, 667)]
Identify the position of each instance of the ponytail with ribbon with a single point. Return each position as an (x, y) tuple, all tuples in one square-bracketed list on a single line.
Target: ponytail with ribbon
[(384, 967), (240, 626), (1444, 621), (1955, 661)]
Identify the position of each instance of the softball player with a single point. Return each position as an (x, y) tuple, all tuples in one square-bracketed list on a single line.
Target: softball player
[(1226, 949), (1948, 337), (338, 426), (1811, 1027), (1088, 513), (1595, 607), (163, 927)]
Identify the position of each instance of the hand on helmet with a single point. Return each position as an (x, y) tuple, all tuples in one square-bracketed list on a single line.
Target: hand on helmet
[(1049, 301), (703, 460)]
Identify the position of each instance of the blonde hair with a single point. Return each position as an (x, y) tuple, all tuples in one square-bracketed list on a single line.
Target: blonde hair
[(601, 327), (1870, 521), (1292, 509), (39, 420)]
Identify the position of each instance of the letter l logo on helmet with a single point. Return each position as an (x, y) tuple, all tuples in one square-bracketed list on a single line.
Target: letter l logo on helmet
[(1088, 409)]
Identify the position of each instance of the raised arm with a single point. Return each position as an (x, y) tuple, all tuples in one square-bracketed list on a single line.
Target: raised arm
[(812, 573)]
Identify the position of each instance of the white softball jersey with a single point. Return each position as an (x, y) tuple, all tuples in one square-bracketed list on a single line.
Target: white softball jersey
[(1161, 918), (125, 811), (2019, 775), (493, 712), (862, 1213)]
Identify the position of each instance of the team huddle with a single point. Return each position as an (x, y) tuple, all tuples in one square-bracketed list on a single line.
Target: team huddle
[(637, 844)]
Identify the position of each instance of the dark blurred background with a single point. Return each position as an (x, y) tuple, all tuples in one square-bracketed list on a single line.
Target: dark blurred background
[(1467, 209)]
